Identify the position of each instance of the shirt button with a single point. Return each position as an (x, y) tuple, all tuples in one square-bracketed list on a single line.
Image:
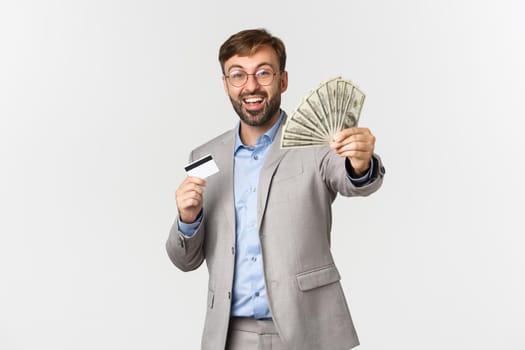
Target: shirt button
[(256, 294), (254, 258), (256, 157)]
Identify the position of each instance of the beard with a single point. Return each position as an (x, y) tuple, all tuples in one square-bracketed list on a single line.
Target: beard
[(261, 116)]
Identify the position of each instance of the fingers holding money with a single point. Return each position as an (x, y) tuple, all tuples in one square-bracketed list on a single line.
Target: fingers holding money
[(189, 197), (356, 144)]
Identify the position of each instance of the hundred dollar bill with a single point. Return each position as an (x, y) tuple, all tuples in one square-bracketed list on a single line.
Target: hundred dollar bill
[(302, 127), (334, 105), (332, 96), (344, 95), (297, 144), (315, 104), (353, 110)]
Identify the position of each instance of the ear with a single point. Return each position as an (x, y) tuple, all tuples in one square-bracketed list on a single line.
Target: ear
[(225, 84), (284, 81)]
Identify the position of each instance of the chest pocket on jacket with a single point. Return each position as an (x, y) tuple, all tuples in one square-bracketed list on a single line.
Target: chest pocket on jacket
[(288, 170)]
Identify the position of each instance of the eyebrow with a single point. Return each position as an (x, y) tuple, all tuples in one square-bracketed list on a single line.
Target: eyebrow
[(258, 66)]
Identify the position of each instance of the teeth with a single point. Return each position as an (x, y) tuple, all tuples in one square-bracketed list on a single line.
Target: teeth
[(253, 99)]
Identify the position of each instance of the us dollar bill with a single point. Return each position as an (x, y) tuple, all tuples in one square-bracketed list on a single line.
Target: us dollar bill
[(334, 105)]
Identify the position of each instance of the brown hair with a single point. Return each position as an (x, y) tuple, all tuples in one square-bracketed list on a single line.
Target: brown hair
[(246, 42)]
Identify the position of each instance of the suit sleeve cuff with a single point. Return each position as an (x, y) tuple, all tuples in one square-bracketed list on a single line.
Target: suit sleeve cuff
[(359, 181), (188, 230)]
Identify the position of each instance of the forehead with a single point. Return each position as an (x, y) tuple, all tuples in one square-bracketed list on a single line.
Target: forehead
[(265, 55)]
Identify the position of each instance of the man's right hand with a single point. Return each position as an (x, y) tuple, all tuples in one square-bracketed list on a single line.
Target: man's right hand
[(189, 198)]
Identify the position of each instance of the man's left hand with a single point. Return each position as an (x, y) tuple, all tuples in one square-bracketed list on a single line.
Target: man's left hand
[(357, 144)]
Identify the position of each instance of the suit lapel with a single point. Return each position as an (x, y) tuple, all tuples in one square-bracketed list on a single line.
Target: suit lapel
[(224, 159), (274, 157)]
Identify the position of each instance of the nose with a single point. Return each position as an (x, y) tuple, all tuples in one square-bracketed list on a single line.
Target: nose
[(251, 84)]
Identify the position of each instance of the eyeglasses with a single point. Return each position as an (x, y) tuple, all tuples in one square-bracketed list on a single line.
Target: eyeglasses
[(238, 78)]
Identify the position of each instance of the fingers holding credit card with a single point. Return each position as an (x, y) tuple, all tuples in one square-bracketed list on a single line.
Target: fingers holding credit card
[(189, 195)]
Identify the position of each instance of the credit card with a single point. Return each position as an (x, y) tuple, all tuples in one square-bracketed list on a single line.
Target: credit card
[(202, 167)]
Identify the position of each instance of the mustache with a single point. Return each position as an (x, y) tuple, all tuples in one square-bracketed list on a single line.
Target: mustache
[(254, 93)]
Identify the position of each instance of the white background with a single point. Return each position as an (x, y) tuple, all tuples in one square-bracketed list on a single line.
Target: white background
[(101, 102)]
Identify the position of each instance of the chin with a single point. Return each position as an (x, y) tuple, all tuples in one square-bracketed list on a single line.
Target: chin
[(259, 120)]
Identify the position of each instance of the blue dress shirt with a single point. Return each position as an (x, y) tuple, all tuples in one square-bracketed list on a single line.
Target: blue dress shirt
[(249, 291)]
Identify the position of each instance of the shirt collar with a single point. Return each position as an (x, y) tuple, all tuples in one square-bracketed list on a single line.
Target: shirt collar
[(268, 136)]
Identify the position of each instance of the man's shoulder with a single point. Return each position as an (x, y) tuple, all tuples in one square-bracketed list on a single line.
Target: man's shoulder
[(227, 137)]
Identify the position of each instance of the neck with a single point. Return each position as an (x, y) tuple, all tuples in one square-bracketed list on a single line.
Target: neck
[(249, 134)]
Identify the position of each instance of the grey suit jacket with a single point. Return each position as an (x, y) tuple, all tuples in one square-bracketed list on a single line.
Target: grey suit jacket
[(296, 190)]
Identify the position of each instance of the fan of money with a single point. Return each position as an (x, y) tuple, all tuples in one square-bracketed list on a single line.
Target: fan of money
[(334, 105)]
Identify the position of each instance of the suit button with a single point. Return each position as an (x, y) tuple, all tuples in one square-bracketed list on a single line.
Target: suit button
[(256, 294)]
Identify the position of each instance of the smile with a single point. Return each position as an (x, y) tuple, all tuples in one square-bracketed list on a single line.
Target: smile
[(253, 100)]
